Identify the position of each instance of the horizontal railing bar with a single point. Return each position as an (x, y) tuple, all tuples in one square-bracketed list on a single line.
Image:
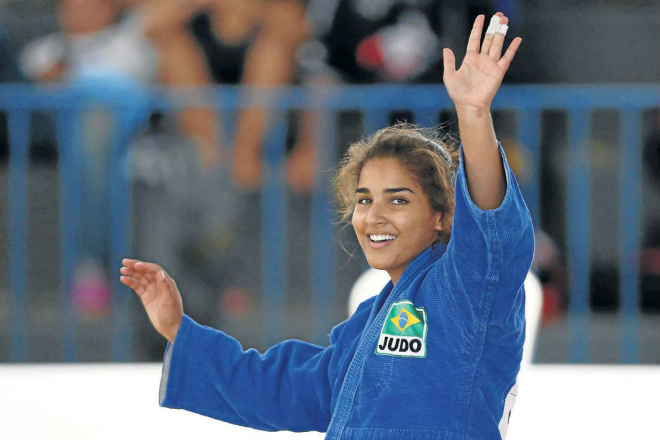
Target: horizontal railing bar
[(375, 102), (391, 97)]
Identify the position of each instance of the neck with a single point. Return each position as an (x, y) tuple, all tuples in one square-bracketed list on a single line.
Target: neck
[(395, 275)]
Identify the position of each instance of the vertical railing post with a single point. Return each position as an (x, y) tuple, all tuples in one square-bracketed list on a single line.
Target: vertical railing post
[(274, 226), (374, 120), (630, 206), (323, 264), (579, 229), (19, 129), (529, 134), (427, 117), (70, 171), (120, 232)]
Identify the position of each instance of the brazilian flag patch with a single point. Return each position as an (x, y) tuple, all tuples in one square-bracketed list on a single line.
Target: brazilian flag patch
[(404, 331)]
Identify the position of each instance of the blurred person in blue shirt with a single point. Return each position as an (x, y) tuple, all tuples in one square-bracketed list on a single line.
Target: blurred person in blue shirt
[(109, 53)]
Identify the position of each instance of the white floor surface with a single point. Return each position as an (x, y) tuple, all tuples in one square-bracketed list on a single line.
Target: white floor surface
[(120, 401)]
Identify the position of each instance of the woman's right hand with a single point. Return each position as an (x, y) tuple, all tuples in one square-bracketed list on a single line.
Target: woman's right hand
[(160, 296)]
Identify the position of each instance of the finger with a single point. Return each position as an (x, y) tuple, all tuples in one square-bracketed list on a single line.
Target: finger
[(169, 279), (129, 261), (475, 34), (161, 277), (488, 41), (133, 284), (449, 62), (498, 40), (506, 59), (170, 282), (145, 267), (130, 272), (493, 27), (149, 270)]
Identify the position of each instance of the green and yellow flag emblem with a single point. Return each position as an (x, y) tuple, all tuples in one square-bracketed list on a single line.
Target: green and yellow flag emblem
[(404, 331)]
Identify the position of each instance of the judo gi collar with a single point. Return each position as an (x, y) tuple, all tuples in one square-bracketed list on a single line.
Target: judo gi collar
[(423, 260), (404, 330), (374, 325)]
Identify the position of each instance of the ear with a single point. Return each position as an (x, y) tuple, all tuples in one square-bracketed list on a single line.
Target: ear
[(439, 224)]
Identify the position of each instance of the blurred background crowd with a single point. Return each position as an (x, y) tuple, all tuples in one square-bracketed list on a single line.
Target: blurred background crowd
[(197, 181)]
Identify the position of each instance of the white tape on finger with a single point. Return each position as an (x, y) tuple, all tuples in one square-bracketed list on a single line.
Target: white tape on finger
[(493, 26), (503, 28)]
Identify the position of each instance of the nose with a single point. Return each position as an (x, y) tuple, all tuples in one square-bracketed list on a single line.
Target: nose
[(376, 214)]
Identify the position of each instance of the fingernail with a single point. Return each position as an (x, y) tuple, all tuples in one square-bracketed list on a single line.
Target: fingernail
[(161, 276)]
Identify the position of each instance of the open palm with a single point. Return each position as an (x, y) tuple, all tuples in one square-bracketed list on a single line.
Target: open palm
[(480, 75), (159, 294)]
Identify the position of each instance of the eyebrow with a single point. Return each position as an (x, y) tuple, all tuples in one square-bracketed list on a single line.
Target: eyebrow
[(386, 190)]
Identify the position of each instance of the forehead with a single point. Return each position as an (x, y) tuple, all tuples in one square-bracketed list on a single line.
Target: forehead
[(386, 172)]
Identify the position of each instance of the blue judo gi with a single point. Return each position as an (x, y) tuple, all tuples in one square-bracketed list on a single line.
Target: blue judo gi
[(433, 357)]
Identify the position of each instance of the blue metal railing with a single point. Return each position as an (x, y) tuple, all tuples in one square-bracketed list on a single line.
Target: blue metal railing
[(375, 102)]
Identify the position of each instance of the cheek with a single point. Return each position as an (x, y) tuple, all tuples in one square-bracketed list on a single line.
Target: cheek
[(356, 221)]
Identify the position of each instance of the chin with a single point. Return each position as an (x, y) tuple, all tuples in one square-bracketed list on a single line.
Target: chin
[(380, 265)]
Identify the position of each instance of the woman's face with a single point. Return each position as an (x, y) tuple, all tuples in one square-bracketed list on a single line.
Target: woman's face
[(393, 218)]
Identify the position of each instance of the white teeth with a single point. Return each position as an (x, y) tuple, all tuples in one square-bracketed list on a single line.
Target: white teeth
[(382, 237)]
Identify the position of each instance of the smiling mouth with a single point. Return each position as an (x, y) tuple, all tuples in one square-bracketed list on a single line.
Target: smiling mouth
[(381, 238)]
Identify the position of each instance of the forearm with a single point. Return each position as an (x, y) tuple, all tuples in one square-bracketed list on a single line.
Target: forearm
[(208, 372), (483, 162)]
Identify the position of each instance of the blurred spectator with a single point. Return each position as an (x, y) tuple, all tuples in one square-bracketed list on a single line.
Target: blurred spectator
[(371, 41), (242, 42), (251, 42), (106, 56), (375, 41), (94, 36), (181, 64), (109, 50), (247, 42)]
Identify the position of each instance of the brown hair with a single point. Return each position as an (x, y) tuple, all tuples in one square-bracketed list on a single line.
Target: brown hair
[(430, 157)]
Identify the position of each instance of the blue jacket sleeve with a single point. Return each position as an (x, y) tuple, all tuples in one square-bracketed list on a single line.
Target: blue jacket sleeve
[(286, 388), (489, 250)]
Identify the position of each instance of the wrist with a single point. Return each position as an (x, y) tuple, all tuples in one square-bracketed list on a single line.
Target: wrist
[(171, 335), (466, 111)]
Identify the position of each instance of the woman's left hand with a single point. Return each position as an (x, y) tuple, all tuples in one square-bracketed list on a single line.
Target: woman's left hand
[(475, 84)]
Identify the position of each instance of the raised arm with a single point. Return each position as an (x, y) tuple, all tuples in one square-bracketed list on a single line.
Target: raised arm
[(472, 88), (492, 237)]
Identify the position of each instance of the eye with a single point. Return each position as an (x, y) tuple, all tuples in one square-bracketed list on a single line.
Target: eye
[(399, 201), (363, 201)]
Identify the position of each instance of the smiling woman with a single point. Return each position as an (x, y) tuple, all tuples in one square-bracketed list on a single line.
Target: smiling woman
[(436, 354), (397, 188)]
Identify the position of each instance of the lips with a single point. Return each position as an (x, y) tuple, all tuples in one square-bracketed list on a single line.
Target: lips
[(379, 241)]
